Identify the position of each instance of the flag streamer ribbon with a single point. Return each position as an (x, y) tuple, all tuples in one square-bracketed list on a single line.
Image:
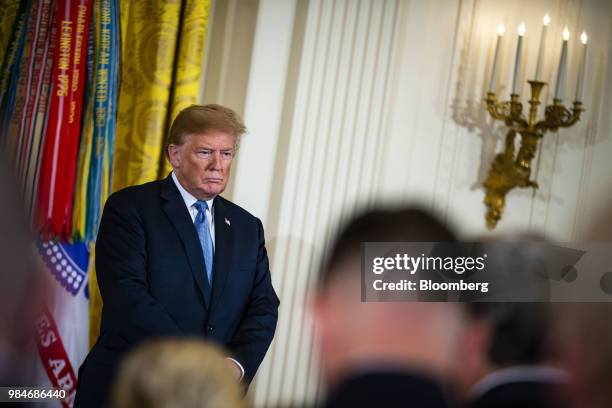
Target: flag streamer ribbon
[(93, 183), (8, 75), (58, 168), (32, 93), (104, 110)]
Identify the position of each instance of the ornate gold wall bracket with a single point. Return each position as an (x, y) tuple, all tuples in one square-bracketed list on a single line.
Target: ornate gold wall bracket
[(510, 169)]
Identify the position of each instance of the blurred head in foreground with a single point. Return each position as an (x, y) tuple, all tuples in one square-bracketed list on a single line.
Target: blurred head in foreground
[(357, 336), (585, 334), (176, 373), (505, 346), (20, 284), (506, 356)]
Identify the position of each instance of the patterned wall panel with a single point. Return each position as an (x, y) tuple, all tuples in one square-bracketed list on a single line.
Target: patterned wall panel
[(335, 131), (383, 103)]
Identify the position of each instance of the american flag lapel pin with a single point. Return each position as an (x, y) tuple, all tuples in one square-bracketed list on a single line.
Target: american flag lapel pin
[(228, 222)]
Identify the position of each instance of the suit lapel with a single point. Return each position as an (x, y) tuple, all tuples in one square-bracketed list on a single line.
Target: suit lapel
[(224, 237), (177, 213)]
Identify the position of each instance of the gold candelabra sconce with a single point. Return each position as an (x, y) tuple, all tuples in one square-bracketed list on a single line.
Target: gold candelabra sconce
[(510, 169)]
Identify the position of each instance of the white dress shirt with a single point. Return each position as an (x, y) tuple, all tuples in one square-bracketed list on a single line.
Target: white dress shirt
[(190, 200), (193, 211), (519, 374)]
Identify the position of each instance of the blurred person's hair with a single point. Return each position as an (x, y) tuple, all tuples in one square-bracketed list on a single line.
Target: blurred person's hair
[(383, 225), (519, 331), (199, 119), (176, 373)]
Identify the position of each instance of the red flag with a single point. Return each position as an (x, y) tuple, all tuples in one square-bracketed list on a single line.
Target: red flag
[(63, 131)]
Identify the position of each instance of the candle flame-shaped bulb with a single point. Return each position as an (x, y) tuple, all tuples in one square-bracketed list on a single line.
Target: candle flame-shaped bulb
[(501, 30), (546, 19), (584, 37), (521, 29), (566, 34)]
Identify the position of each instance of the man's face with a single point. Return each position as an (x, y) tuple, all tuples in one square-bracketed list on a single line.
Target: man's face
[(202, 163)]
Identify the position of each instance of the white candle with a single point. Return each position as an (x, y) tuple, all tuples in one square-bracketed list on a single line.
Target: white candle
[(562, 66), (517, 62), (500, 32), (538, 74), (583, 39)]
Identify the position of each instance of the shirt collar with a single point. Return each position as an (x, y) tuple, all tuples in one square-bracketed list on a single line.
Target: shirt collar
[(188, 198), (542, 374)]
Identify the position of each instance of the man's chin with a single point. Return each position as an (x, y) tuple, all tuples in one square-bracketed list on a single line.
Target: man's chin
[(213, 191)]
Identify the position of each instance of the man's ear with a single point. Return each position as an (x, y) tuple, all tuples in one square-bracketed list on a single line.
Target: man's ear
[(174, 156), (479, 337)]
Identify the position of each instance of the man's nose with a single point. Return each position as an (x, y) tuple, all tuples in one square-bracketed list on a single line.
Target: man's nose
[(215, 161)]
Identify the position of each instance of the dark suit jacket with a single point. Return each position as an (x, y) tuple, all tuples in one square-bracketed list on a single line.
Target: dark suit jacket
[(151, 274), (387, 389)]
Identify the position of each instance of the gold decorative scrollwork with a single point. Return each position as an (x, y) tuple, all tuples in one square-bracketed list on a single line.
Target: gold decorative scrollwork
[(509, 170)]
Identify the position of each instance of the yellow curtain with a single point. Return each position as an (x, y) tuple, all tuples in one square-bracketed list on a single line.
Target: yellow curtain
[(8, 12), (162, 49)]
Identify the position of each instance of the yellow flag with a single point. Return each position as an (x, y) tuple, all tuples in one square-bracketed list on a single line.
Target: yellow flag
[(161, 71), (8, 12), (188, 75)]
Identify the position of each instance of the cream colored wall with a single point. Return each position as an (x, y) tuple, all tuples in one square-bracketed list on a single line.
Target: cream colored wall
[(353, 103)]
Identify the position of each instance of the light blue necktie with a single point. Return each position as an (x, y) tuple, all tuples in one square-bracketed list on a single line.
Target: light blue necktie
[(201, 224)]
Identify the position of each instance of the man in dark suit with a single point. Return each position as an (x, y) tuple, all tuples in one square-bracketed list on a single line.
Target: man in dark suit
[(388, 354), (173, 258)]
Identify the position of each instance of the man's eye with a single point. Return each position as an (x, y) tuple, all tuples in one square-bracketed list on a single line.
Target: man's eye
[(227, 155), (204, 153)]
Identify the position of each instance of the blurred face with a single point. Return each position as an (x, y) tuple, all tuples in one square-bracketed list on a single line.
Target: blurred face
[(471, 362), (353, 335), (202, 163)]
